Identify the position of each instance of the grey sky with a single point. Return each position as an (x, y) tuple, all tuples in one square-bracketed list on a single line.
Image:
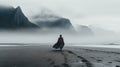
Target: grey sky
[(103, 13)]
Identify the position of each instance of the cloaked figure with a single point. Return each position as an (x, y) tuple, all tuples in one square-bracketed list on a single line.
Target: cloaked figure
[(60, 43)]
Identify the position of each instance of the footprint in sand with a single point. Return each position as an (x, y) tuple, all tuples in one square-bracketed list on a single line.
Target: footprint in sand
[(73, 60), (51, 62)]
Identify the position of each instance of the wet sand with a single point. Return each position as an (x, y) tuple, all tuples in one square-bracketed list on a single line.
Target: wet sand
[(45, 56)]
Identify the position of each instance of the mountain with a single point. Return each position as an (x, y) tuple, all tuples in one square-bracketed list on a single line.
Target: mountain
[(61, 23), (50, 21), (13, 18), (85, 30)]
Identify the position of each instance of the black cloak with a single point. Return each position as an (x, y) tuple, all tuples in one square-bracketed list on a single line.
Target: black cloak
[(59, 44)]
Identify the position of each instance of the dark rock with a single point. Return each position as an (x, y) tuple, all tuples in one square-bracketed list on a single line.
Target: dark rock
[(61, 23), (99, 60), (11, 18), (117, 66), (50, 21)]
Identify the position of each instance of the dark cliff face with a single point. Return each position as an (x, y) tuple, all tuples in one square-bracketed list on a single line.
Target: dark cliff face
[(6, 16), (50, 21), (61, 23), (11, 18), (20, 20)]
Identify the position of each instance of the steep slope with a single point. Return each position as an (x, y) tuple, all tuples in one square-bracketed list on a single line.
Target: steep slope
[(6, 16), (11, 18), (20, 20), (49, 21), (61, 23)]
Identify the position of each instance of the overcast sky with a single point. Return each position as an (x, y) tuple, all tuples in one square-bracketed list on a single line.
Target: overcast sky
[(103, 13)]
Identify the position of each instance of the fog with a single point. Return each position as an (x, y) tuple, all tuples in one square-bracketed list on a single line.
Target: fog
[(102, 13), (29, 38)]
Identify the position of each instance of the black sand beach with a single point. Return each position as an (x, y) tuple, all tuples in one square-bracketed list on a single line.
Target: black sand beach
[(45, 56)]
